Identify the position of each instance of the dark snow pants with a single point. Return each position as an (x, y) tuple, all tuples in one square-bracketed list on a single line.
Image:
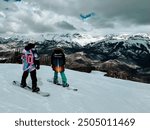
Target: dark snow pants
[(33, 78)]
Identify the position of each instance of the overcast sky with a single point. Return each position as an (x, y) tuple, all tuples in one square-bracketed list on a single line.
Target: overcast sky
[(51, 16)]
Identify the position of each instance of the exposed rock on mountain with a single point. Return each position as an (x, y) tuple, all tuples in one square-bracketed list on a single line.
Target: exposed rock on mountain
[(79, 61)]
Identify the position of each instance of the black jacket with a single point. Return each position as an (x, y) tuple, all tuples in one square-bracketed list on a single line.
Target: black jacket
[(58, 58)]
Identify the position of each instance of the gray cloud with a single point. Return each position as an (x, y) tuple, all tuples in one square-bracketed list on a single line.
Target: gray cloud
[(33, 25), (12, 0), (49, 16), (65, 25), (133, 11)]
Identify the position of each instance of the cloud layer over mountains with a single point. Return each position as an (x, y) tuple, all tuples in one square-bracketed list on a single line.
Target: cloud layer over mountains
[(111, 16)]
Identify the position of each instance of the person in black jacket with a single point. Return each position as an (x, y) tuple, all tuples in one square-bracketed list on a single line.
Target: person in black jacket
[(30, 60), (58, 65)]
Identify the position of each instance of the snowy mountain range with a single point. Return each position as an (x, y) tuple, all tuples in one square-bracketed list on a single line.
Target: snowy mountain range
[(81, 39), (81, 42), (99, 94), (96, 52)]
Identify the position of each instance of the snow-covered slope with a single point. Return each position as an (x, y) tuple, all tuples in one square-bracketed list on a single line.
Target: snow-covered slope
[(96, 93)]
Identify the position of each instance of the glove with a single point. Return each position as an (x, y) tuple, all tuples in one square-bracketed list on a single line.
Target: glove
[(37, 67)]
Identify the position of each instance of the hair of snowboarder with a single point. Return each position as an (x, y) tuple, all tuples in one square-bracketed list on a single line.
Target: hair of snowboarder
[(31, 63), (58, 62)]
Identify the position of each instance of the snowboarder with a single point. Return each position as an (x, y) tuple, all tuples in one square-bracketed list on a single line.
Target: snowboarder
[(58, 65), (30, 60)]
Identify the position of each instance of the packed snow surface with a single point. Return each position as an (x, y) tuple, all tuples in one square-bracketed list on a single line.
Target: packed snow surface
[(96, 93)]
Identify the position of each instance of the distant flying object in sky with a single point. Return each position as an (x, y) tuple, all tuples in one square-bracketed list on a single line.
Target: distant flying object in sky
[(12, 0), (83, 17)]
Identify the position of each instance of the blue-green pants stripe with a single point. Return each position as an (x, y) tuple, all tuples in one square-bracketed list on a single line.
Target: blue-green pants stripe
[(63, 77)]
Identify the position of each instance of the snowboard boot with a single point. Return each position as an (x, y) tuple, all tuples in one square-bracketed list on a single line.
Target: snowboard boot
[(55, 82), (36, 89), (65, 85), (23, 85)]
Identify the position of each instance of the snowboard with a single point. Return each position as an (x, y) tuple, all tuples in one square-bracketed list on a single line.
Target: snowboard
[(28, 88), (59, 84)]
